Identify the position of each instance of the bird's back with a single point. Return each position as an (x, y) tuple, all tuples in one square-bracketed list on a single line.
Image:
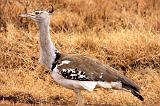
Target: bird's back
[(94, 70)]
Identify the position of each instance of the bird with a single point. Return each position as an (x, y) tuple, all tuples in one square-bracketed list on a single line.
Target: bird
[(74, 71)]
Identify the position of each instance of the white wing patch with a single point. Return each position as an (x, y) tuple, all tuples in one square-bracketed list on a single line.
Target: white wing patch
[(114, 85), (64, 62), (104, 84), (88, 85)]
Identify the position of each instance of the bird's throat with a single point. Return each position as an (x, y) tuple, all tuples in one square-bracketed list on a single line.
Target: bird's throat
[(47, 48)]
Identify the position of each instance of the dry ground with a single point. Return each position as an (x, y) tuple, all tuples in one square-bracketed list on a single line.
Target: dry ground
[(123, 34)]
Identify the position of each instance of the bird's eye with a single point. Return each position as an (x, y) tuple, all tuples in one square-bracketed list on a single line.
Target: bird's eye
[(37, 12)]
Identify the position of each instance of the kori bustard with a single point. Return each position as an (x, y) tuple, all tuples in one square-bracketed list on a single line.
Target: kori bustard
[(77, 72)]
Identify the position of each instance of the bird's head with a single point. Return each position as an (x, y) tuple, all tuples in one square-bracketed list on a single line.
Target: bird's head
[(39, 16)]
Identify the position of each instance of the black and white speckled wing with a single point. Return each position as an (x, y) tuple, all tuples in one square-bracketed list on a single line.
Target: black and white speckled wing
[(85, 68), (74, 74), (79, 68)]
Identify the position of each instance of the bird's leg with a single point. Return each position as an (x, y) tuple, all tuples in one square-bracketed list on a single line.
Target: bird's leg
[(79, 97)]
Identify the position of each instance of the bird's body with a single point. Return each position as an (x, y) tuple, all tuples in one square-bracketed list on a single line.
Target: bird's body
[(82, 72), (76, 71), (83, 68)]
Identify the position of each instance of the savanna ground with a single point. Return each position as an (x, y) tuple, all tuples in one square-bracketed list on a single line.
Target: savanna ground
[(124, 34)]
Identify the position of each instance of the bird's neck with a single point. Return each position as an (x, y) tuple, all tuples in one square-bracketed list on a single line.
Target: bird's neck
[(47, 48)]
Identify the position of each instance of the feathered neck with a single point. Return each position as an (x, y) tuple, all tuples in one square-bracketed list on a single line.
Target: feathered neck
[(47, 48)]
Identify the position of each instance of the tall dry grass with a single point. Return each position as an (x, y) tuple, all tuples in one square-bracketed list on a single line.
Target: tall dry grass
[(124, 34), (85, 15)]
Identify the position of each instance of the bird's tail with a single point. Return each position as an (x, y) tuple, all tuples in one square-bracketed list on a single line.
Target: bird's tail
[(133, 90), (137, 95)]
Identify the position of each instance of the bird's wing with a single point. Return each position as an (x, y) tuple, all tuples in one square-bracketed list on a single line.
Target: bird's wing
[(87, 69)]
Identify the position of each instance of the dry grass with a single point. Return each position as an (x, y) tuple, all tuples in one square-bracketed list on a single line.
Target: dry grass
[(123, 34)]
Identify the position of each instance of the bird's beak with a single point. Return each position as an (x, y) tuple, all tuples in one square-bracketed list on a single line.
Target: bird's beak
[(31, 15), (24, 15)]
